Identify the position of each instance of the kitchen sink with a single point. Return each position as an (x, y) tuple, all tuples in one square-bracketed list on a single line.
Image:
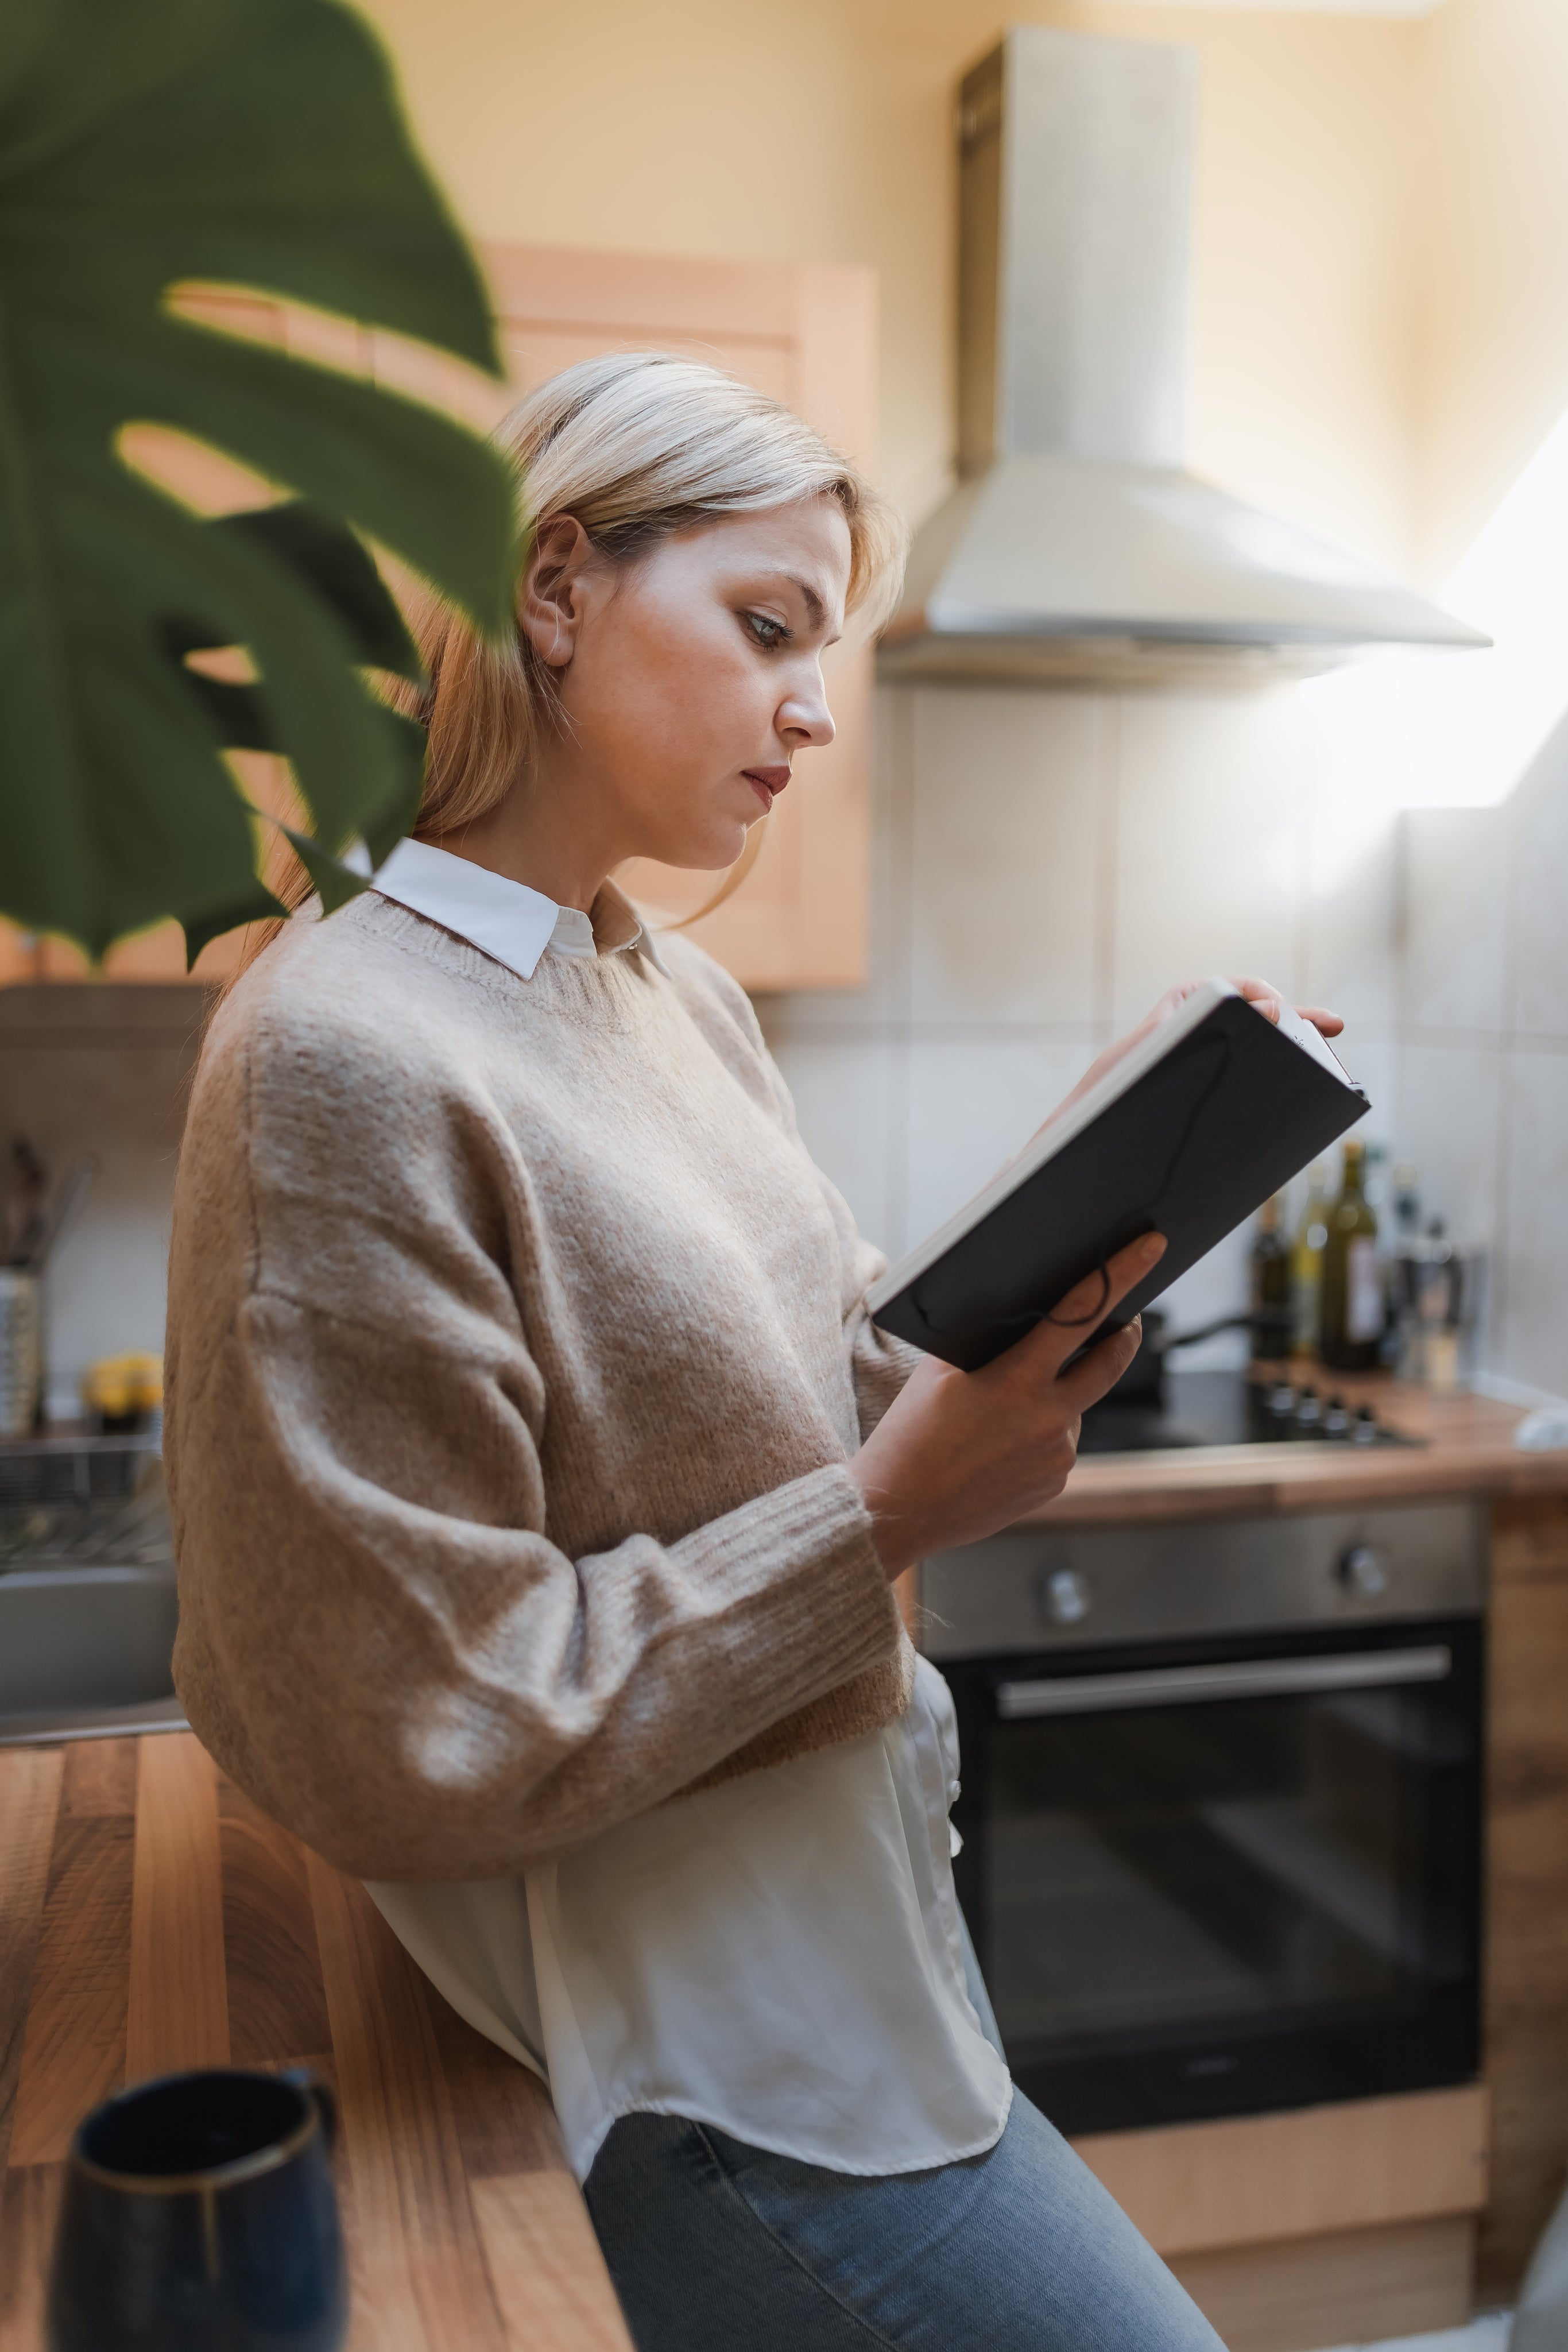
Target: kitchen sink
[(88, 1603), (85, 1651)]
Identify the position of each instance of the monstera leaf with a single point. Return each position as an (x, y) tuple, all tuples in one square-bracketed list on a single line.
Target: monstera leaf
[(147, 144)]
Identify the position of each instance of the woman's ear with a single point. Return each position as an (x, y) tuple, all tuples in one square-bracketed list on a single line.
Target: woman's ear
[(549, 611)]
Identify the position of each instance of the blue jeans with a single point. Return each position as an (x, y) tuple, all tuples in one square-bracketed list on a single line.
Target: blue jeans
[(717, 2247)]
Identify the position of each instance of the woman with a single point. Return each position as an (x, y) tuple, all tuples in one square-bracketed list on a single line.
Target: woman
[(539, 1480)]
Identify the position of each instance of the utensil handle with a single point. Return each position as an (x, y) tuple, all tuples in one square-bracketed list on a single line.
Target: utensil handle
[(1197, 1685)]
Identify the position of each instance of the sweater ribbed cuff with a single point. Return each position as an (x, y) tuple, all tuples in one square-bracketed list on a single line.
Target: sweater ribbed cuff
[(800, 1599)]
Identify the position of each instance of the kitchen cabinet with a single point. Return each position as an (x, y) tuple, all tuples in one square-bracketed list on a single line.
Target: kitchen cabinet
[(806, 332), (1526, 2014), (1350, 2222)]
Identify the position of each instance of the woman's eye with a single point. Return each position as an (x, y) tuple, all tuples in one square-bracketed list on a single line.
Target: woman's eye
[(766, 632)]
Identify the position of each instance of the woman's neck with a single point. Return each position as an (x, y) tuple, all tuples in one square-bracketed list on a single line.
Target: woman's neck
[(531, 837)]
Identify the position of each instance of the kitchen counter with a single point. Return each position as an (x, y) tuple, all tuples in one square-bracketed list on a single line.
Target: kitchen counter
[(1467, 1448), (152, 1919)]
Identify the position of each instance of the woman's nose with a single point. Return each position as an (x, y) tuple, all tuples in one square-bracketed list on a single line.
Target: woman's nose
[(806, 720)]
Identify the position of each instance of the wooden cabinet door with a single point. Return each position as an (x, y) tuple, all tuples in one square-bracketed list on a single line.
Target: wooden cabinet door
[(806, 332)]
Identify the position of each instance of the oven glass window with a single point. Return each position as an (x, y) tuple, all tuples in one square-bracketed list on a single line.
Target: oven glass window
[(1185, 1895)]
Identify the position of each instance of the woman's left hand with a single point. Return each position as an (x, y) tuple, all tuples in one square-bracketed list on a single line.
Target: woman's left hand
[(1261, 993)]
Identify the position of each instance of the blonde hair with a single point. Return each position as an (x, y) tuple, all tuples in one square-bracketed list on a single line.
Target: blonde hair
[(637, 447)]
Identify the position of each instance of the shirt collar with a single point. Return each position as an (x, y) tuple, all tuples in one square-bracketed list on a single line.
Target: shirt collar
[(505, 920)]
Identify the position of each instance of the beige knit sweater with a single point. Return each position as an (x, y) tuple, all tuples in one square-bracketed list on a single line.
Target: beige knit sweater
[(516, 1349)]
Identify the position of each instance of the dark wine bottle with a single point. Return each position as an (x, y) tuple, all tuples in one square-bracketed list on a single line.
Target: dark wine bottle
[(1352, 1296), (1270, 1284)]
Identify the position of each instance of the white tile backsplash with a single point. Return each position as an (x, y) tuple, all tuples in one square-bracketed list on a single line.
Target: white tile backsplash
[(843, 1088), (1483, 1054), (1003, 829), (1156, 837), (1456, 918), (1540, 910), (973, 1102), (1210, 814), (1448, 1106), (1053, 862), (1349, 928), (1530, 1273)]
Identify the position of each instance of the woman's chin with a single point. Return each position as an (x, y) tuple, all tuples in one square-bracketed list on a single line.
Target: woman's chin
[(709, 855)]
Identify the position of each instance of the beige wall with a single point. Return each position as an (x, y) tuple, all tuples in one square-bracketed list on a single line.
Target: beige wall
[(821, 131), (1380, 340), (1382, 217), (1492, 330)]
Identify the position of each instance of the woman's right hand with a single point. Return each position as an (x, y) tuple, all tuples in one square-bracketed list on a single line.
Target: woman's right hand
[(960, 1455)]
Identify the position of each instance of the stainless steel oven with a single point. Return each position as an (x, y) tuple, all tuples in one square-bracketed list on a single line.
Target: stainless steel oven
[(1221, 1806)]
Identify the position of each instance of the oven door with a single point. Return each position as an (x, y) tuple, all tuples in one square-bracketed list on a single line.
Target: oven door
[(1214, 1878)]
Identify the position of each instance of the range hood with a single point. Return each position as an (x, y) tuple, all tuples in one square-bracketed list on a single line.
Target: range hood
[(1077, 549)]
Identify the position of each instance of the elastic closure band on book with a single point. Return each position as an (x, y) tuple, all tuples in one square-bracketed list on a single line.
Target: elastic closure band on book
[(1076, 1322)]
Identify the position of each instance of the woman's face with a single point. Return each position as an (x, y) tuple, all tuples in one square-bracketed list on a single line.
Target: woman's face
[(689, 678)]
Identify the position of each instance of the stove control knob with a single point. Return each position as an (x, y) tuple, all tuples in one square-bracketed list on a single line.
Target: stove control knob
[(1363, 1572), (1065, 1597)]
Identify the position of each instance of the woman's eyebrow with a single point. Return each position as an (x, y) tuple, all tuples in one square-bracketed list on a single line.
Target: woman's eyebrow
[(816, 610), (814, 605)]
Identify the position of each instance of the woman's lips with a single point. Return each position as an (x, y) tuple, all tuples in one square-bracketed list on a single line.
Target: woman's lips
[(767, 783)]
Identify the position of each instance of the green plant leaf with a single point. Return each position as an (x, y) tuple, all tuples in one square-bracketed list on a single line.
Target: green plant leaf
[(335, 563), (336, 883), (145, 144), (259, 907)]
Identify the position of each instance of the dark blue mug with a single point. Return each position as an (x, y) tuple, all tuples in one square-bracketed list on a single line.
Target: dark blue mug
[(199, 2216)]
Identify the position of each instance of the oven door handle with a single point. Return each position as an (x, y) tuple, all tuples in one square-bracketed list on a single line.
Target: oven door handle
[(1197, 1685)]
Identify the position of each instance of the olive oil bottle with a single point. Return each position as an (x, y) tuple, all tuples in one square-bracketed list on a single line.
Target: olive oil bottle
[(1307, 1266), (1350, 1337)]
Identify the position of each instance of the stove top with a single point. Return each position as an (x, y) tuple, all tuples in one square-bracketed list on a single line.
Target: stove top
[(1230, 1409)]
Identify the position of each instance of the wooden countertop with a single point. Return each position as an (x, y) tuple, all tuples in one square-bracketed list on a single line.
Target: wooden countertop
[(150, 1918), (1467, 1449)]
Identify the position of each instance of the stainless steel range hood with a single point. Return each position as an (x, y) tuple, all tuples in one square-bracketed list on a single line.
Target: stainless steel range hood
[(1077, 549)]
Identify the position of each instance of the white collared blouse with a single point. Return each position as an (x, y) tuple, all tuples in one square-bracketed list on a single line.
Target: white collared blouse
[(781, 1956)]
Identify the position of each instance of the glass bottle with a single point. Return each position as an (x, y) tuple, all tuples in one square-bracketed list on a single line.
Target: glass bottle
[(1270, 1284), (1307, 1266), (1402, 1340), (1439, 1308), (1351, 1335)]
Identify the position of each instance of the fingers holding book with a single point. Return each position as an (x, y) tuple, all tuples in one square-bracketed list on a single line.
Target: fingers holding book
[(960, 1455), (1266, 999), (1088, 1375)]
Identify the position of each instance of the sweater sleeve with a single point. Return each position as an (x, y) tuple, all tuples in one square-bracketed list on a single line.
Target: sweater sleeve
[(378, 1637), (879, 1364)]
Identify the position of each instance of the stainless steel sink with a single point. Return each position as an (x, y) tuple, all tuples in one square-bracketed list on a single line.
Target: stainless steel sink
[(88, 1605), (86, 1650)]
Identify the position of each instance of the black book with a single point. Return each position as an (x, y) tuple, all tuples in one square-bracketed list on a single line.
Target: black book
[(1186, 1135)]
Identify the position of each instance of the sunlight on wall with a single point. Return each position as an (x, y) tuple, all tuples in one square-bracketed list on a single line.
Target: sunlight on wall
[(1458, 731)]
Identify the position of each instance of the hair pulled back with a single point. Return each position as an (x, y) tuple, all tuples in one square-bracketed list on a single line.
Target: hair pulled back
[(638, 447)]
